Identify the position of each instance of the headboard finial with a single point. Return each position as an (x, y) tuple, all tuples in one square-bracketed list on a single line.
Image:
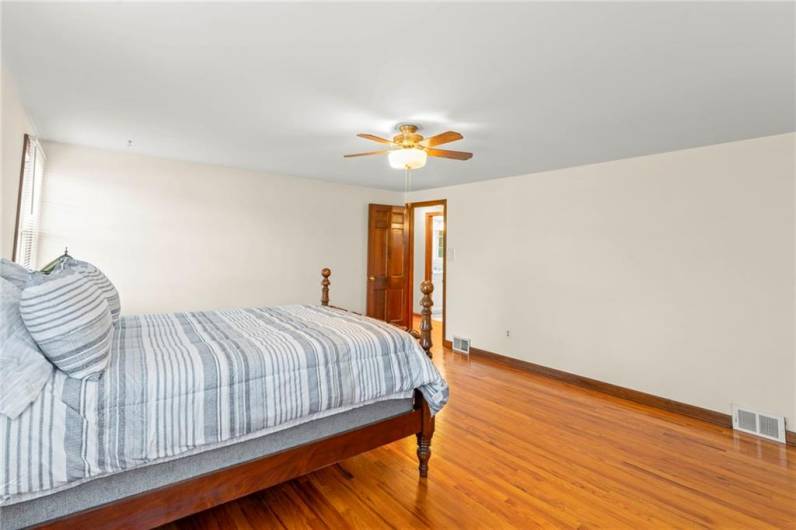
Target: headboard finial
[(325, 272)]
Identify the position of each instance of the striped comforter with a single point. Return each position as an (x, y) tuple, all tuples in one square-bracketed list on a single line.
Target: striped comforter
[(186, 382)]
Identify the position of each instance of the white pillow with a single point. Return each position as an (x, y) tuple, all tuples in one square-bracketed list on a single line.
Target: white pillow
[(23, 369)]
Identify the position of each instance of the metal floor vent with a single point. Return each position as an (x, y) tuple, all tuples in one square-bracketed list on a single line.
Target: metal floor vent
[(461, 344), (765, 425)]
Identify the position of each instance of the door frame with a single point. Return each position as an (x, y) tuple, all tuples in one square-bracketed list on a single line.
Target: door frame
[(429, 243), (410, 207)]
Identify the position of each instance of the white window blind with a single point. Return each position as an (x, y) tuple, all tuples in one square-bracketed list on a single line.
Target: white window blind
[(26, 239)]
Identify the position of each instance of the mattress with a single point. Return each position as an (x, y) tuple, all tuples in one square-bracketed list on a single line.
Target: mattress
[(118, 486), (183, 383)]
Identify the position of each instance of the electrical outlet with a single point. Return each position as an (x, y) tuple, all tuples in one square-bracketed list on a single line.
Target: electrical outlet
[(508, 333)]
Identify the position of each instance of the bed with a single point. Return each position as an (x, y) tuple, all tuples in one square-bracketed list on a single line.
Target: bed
[(197, 409)]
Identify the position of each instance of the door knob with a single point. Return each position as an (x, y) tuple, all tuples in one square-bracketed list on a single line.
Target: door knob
[(372, 278)]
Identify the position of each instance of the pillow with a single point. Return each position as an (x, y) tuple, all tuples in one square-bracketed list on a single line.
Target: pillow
[(95, 276), (69, 319), (14, 273), (24, 369)]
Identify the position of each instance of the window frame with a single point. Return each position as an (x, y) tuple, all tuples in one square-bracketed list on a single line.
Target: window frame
[(29, 147)]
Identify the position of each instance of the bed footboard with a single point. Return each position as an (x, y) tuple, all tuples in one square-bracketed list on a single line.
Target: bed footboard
[(423, 337)]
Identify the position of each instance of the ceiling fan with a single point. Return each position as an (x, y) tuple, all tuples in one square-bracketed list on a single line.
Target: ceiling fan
[(409, 150)]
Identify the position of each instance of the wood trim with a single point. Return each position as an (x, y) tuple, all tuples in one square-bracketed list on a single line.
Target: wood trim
[(410, 273), (25, 147), (435, 202), (169, 503), (429, 243), (428, 240), (410, 296), (692, 411)]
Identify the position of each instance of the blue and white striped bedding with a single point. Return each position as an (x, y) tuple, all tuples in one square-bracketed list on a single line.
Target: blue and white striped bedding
[(185, 382), (69, 319)]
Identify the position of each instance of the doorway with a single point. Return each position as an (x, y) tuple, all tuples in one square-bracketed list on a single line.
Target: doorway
[(405, 247), (427, 258)]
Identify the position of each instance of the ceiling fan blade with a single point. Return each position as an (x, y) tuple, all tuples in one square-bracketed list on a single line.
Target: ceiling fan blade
[(375, 138), (368, 153), (443, 153), (442, 138)]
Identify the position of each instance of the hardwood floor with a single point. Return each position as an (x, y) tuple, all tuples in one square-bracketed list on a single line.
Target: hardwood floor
[(514, 449)]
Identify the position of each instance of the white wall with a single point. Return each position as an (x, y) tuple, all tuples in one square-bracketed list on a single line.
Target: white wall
[(672, 274), (14, 124), (419, 265), (183, 236)]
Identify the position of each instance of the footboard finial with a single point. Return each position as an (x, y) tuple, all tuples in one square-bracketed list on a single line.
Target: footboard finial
[(425, 316), (325, 272)]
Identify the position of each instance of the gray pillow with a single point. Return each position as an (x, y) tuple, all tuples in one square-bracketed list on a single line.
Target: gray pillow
[(95, 276), (14, 273), (24, 369), (69, 319)]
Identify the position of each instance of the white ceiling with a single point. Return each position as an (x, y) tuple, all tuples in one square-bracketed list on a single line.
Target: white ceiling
[(284, 88)]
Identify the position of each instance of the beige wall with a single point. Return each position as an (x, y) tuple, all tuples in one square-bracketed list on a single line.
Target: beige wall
[(672, 274), (182, 236), (14, 124)]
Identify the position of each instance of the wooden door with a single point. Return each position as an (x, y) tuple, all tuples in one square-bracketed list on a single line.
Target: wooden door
[(388, 233)]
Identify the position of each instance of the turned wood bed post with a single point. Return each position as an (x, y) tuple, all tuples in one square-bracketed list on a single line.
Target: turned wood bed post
[(325, 272), (424, 338), (426, 419), (425, 316)]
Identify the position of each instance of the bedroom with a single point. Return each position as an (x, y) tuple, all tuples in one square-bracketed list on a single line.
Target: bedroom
[(613, 246)]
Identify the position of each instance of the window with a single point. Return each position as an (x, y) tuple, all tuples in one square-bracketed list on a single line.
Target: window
[(26, 237)]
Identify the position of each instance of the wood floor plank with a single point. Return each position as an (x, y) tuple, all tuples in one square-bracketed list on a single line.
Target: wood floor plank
[(518, 450)]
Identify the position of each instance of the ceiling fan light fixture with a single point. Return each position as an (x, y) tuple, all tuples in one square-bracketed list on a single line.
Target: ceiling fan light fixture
[(408, 158)]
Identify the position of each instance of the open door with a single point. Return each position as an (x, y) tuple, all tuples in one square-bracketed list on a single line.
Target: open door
[(427, 256), (388, 261)]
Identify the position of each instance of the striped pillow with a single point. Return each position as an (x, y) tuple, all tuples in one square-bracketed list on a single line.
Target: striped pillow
[(69, 319), (23, 368), (95, 276)]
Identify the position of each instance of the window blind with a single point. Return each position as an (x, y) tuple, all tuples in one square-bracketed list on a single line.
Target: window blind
[(26, 239)]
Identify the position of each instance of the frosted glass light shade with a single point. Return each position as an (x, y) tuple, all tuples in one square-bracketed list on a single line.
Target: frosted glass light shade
[(407, 158)]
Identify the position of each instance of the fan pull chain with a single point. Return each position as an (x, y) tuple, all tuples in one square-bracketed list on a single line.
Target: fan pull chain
[(407, 183)]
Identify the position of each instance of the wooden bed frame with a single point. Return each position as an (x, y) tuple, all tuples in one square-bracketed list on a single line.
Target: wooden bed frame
[(169, 503)]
